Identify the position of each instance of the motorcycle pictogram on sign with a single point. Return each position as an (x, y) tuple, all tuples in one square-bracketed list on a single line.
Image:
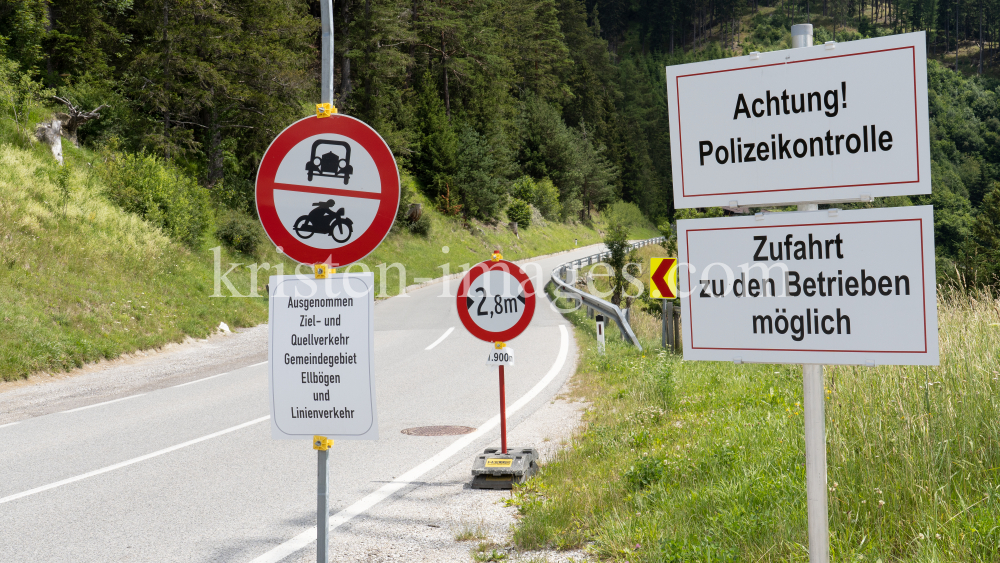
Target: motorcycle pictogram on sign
[(325, 221)]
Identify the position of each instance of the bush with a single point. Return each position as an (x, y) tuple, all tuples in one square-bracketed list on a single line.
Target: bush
[(626, 214), (571, 209), (166, 197), (20, 98), (240, 232), (421, 226), (547, 199), (524, 188), (519, 212)]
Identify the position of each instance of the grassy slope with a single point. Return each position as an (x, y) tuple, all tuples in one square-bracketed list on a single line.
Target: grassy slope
[(704, 461), (87, 281), (90, 281)]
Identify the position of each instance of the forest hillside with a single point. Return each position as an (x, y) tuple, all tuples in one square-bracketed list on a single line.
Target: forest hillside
[(475, 96)]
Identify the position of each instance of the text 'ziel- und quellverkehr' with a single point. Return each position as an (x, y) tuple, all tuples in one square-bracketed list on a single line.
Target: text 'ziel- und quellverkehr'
[(863, 283)]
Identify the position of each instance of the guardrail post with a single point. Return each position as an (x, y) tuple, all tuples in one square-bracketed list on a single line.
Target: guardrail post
[(600, 333)]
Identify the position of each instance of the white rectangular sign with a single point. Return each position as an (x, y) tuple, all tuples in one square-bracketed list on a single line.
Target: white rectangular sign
[(500, 357), (840, 122), (320, 357), (812, 287)]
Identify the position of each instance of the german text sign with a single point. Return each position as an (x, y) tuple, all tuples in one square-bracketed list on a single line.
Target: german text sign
[(818, 287), (845, 121), (320, 357)]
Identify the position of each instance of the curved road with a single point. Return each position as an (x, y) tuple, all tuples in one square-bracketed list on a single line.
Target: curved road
[(190, 472)]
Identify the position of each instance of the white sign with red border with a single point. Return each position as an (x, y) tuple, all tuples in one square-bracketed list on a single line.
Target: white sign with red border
[(496, 300), (836, 122), (817, 287), (327, 190)]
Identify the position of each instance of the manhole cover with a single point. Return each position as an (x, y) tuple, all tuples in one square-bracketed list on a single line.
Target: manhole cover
[(438, 430)]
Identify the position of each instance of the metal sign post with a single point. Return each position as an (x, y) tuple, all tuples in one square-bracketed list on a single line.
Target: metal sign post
[(320, 443), (813, 409)]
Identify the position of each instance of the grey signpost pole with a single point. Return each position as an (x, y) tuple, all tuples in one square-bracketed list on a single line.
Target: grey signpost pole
[(322, 507), (323, 457), (326, 84), (813, 411)]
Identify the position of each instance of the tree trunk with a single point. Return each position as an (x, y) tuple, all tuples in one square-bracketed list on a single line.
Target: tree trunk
[(980, 37), (213, 148), (166, 74), (345, 64), (50, 134), (444, 68)]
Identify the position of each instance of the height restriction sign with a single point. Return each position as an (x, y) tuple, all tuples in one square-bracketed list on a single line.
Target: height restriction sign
[(327, 190), (496, 300)]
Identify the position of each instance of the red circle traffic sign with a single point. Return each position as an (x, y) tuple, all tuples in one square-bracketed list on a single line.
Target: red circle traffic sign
[(496, 301), (327, 190)]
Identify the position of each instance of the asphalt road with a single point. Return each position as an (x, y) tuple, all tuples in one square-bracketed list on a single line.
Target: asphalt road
[(189, 471)]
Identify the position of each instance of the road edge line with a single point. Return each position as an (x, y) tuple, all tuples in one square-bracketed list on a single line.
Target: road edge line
[(441, 339), (132, 461), (101, 404)]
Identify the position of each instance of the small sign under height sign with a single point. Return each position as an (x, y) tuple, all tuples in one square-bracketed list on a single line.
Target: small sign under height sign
[(320, 357), (500, 356), (818, 287)]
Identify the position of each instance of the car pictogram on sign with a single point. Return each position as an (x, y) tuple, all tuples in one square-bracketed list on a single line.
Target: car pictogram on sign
[(330, 165)]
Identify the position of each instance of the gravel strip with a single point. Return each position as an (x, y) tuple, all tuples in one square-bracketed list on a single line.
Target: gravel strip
[(129, 374), (426, 523)]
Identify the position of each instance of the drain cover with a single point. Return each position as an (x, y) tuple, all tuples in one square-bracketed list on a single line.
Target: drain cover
[(438, 430)]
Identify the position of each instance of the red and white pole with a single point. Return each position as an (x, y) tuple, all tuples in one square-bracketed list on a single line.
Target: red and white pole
[(503, 415)]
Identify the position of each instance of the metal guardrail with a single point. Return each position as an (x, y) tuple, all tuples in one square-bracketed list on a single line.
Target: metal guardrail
[(610, 310)]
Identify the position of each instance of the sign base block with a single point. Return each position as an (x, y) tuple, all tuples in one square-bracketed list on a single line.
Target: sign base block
[(494, 470)]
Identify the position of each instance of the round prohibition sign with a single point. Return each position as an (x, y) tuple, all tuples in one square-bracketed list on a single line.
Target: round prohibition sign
[(496, 300), (327, 190)]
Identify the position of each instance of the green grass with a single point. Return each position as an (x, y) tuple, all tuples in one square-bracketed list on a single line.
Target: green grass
[(84, 280), (88, 281), (702, 461)]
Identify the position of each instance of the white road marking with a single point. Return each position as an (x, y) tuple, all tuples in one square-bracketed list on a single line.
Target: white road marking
[(440, 340), (9, 424), (307, 537), (217, 375), (102, 404), (200, 380), (130, 461)]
